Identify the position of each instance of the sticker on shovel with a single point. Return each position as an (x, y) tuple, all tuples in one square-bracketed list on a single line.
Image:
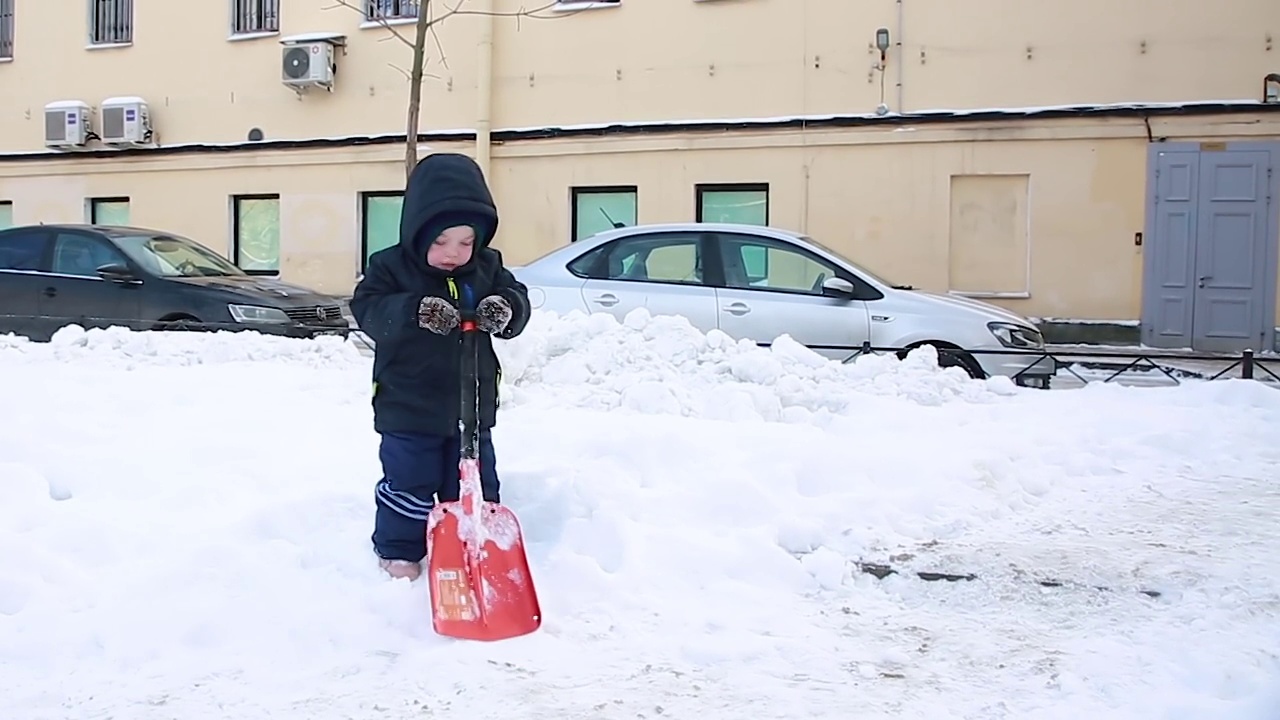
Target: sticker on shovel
[(481, 587)]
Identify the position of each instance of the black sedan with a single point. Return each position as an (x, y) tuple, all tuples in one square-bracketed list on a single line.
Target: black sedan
[(99, 276)]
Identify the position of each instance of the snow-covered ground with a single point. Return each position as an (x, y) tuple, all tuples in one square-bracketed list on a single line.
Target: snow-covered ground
[(184, 527)]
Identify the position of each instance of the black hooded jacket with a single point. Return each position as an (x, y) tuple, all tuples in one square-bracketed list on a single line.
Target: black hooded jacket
[(416, 373)]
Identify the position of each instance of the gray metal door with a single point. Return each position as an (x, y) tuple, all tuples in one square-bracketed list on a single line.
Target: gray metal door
[(1168, 289), (1231, 257), (1207, 274)]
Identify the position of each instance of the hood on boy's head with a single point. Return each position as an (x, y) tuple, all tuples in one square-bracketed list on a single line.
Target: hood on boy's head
[(446, 189)]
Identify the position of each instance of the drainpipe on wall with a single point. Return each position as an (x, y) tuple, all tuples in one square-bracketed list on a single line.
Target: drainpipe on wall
[(484, 85), (902, 50)]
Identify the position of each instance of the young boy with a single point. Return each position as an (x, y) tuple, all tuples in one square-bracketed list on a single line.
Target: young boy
[(408, 303)]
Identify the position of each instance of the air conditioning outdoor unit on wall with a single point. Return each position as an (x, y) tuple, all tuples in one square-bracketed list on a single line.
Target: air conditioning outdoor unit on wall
[(307, 64), (67, 124), (125, 121)]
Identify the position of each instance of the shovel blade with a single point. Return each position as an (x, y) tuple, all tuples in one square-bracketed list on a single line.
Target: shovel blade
[(481, 587)]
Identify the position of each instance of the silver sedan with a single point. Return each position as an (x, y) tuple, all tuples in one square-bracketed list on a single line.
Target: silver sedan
[(758, 283)]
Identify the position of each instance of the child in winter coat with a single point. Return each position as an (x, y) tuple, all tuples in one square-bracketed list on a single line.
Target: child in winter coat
[(408, 303)]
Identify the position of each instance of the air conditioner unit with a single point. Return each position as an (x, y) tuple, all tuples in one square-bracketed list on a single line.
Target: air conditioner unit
[(67, 124), (308, 64), (124, 121)]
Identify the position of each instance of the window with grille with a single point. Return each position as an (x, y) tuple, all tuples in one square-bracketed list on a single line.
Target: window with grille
[(255, 16), (375, 10), (6, 29), (110, 22)]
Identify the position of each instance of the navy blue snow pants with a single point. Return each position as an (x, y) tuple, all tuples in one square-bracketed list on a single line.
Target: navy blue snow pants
[(416, 470)]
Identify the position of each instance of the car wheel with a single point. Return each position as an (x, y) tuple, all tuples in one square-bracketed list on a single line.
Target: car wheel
[(180, 323), (951, 356)]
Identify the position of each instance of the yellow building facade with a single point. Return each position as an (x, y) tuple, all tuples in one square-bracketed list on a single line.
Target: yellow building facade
[(1089, 160)]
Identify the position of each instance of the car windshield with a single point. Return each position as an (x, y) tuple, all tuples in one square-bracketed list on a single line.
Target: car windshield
[(860, 268), (174, 256)]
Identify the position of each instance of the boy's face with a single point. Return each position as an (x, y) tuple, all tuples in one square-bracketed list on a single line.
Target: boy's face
[(452, 248)]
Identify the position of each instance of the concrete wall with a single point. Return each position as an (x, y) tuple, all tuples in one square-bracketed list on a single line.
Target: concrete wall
[(637, 60), (1038, 215)]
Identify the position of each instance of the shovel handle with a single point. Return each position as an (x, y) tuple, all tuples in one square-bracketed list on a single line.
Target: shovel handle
[(469, 412)]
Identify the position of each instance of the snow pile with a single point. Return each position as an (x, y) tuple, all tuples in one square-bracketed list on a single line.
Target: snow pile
[(185, 520), (123, 347), (663, 365)]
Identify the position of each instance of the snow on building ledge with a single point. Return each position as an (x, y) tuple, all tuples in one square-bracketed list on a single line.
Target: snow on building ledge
[(657, 127)]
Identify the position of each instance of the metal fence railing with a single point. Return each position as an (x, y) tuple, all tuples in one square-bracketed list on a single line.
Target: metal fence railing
[(1173, 365)]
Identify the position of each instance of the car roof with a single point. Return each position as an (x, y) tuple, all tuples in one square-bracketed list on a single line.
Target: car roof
[(701, 227), (605, 236), (105, 230)]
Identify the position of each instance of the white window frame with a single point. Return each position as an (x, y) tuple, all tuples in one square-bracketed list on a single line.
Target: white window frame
[(577, 5)]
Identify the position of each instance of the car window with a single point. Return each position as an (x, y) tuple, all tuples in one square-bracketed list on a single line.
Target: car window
[(175, 256), (757, 263), (662, 257), (22, 250), (81, 255)]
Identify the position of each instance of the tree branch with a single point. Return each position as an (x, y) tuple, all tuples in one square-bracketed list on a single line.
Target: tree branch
[(380, 20), (424, 27), (457, 9)]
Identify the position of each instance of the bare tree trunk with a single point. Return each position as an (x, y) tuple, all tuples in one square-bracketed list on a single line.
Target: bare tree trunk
[(415, 87), (422, 29)]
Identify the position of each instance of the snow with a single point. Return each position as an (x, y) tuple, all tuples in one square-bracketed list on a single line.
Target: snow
[(184, 523), (1085, 321), (333, 37), (124, 100), (66, 105)]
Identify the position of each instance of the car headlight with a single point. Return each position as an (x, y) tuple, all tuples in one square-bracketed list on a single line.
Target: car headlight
[(257, 314), (1016, 336)]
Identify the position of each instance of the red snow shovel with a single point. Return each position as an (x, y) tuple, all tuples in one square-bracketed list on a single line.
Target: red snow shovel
[(481, 587)]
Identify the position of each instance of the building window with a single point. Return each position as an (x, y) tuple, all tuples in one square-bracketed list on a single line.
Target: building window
[(108, 211), (596, 209), (110, 22), (6, 29), (255, 16), (375, 10), (742, 203), (739, 203), (255, 233), (6, 214), (380, 223)]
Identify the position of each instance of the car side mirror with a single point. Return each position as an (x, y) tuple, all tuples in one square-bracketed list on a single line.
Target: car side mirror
[(837, 288), (116, 272)]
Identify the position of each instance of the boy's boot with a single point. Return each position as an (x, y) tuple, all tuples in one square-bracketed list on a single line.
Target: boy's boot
[(401, 568)]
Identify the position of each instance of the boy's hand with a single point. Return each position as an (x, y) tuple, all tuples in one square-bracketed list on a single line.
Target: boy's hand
[(437, 315), (493, 313)]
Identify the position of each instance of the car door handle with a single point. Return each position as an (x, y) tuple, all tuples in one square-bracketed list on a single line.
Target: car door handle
[(50, 291), (607, 300), (736, 308)]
